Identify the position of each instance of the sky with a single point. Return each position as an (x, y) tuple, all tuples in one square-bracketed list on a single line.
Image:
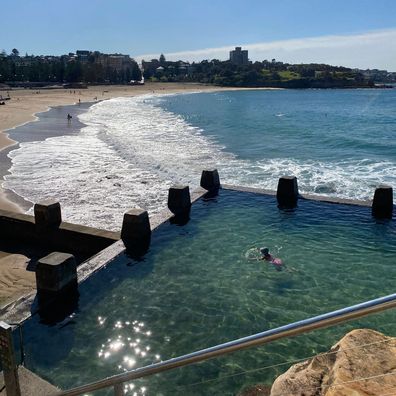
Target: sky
[(353, 33)]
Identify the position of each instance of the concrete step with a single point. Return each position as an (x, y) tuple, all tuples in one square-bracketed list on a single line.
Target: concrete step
[(31, 384)]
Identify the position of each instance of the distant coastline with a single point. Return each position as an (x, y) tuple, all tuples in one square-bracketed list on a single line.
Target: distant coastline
[(85, 67)]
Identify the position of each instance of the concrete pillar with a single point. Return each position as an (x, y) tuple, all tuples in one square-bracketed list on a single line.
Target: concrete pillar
[(47, 214), (210, 180), (136, 230), (56, 272), (287, 192), (382, 205), (8, 361), (179, 201)]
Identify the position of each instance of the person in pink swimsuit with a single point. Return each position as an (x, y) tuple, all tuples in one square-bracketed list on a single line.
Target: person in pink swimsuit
[(277, 262)]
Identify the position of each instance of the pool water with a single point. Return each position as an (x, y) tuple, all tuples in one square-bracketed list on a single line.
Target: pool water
[(198, 286)]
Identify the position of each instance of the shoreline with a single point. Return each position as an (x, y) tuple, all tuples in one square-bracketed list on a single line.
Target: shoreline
[(49, 124), (25, 104)]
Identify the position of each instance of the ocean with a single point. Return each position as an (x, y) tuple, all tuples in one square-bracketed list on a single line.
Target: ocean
[(126, 152)]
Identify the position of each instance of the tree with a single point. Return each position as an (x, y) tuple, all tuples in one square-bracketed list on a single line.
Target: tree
[(162, 59), (15, 52), (73, 72), (136, 74)]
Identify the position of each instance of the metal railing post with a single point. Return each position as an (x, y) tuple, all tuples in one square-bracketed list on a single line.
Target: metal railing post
[(7, 357), (119, 390), (21, 342)]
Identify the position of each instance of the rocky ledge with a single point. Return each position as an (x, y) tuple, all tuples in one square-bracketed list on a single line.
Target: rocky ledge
[(362, 363)]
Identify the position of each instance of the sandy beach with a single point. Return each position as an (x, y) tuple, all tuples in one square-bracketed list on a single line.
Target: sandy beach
[(25, 103)]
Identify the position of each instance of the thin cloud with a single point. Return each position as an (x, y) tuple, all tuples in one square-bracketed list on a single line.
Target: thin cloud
[(374, 49)]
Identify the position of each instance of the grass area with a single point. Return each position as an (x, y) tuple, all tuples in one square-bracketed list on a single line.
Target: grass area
[(266, 72), (284, 75), (288, 75)]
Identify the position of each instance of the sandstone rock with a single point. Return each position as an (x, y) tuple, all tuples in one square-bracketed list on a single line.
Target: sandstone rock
[(256, 390), (340, 372)]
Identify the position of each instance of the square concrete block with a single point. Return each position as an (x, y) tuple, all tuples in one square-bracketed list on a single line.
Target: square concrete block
[(210, 180), (179, 199), (56, 272), (382, 205), (287, 192), (47, 214), (136, 224)]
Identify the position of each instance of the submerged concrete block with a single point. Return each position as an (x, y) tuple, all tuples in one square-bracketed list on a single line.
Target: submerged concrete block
[(287, 192), (179, 200), (47, 214), (56, 272), (210, 180), (136, 225), (382, 205)]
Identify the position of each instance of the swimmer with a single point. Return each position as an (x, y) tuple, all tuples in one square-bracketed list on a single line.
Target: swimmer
[(275, 261), (265, 254)]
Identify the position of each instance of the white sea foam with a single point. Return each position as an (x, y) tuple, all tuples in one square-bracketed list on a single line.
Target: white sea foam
[(132, 151), (127, 156)]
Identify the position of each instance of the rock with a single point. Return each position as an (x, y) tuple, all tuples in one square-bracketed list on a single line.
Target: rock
[(340, 372), (256, 390)]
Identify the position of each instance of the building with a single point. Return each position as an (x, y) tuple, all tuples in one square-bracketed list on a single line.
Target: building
[(82, 55), (118, 62), (239, 56)]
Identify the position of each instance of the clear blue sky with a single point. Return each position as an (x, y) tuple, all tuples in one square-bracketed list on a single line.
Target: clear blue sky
[(154, 26)]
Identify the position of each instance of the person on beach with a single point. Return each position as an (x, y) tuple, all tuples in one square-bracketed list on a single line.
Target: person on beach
[(69, 118)]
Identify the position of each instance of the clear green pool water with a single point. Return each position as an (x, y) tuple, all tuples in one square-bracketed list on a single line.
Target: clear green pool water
[(196, 288)]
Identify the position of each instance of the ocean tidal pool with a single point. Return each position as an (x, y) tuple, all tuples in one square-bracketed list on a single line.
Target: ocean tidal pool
[(199, 285)]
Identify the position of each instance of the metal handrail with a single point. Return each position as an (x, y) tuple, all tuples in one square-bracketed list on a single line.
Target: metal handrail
[(21, 342), (289, 330)]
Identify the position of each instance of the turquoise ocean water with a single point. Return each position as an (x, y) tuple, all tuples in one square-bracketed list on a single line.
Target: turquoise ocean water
[(337, 142)]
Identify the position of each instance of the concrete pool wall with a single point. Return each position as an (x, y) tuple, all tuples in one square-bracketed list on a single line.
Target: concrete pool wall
[(41, 232)]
